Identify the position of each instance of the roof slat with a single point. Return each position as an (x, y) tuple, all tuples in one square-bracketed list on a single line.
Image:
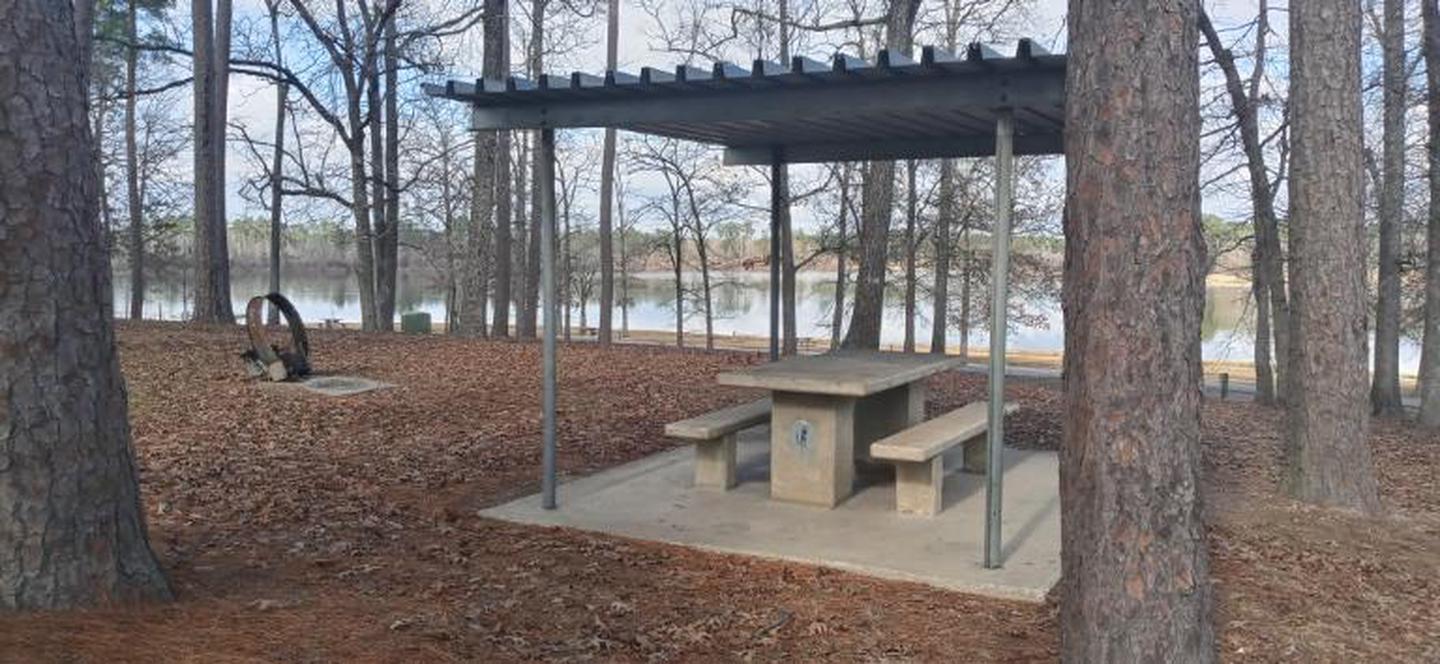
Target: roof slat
[(807, 66), (651, 75), (725, 69), (849, 63), (806, 110), (763, 68), (1027, 49), (686, 73), (978, 52), (614, 78), (890, 59), (580, 80), (931, 56)]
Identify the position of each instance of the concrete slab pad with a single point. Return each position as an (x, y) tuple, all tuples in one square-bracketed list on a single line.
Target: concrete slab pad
[(331, 385), (654, 499)]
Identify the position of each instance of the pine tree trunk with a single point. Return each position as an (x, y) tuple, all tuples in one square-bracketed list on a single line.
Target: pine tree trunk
[(911, 211), (1385, 389), (211, 25), (72, 530), (476, 262), (1430, 346), (527, 291), (877, 188), (876, 201), (496, 30), (1134, 558), (374, 108), (789, 340), (607, 190), (943, 222), (389, 185), (1327, 450), (277, 163)]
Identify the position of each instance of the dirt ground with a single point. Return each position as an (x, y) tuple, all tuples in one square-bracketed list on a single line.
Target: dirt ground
[(303, 528)]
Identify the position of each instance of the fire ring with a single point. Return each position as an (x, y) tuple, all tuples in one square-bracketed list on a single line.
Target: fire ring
[(277, 363)]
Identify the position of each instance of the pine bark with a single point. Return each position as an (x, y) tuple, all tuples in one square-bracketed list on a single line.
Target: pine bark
[(1328, 455), (1134, 562), (789, 337), (495, 67), (211, 26), (1385, 396), (911, 214), (388, 180), (72, 530), (877, 199), (477, 260), (1430, 345), (941, 292), (277, 163)]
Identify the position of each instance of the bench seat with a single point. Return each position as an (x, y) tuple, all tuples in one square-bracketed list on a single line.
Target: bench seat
[(918, 454), (714, 436)]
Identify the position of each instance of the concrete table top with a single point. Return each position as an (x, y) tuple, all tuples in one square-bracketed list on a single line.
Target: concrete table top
[(846, 373)]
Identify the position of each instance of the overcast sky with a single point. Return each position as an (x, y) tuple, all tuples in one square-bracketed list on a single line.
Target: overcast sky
[(252, 101)]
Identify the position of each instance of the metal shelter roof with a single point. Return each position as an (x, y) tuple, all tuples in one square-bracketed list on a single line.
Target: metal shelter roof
[(944, 105)]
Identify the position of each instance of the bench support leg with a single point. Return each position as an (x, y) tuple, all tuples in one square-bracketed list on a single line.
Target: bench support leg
[(885, 413), (715, 463), (976, 453), (918, 486)]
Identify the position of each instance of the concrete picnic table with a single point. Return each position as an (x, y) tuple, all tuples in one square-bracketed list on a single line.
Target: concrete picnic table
[(827, 409)]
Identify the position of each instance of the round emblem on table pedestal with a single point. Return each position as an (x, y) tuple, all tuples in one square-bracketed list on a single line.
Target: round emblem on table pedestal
[(800, 435)]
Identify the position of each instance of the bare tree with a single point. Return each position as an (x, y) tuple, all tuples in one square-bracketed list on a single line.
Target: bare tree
[(1272, 309), (699, 198), (73, 530), (1328, 455), (1134, 554)]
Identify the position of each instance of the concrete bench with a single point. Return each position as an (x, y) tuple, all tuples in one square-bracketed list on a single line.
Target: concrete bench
[(918, 454), (714, 436)]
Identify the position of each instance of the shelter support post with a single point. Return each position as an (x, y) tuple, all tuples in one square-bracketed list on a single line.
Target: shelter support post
[(776, 200), (999, 303), (546, 184)]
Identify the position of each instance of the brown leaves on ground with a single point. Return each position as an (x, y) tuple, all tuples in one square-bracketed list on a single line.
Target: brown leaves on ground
[(306, 528)]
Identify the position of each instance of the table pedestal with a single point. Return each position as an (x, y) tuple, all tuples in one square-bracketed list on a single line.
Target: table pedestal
[(815, 439)]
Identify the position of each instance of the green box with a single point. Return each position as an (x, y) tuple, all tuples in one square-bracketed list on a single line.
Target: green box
[(416, 323)]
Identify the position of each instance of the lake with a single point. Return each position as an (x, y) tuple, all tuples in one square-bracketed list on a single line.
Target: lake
[(742, 304)]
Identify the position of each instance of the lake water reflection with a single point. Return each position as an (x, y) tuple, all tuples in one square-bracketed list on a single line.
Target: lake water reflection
[(742, 303)]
